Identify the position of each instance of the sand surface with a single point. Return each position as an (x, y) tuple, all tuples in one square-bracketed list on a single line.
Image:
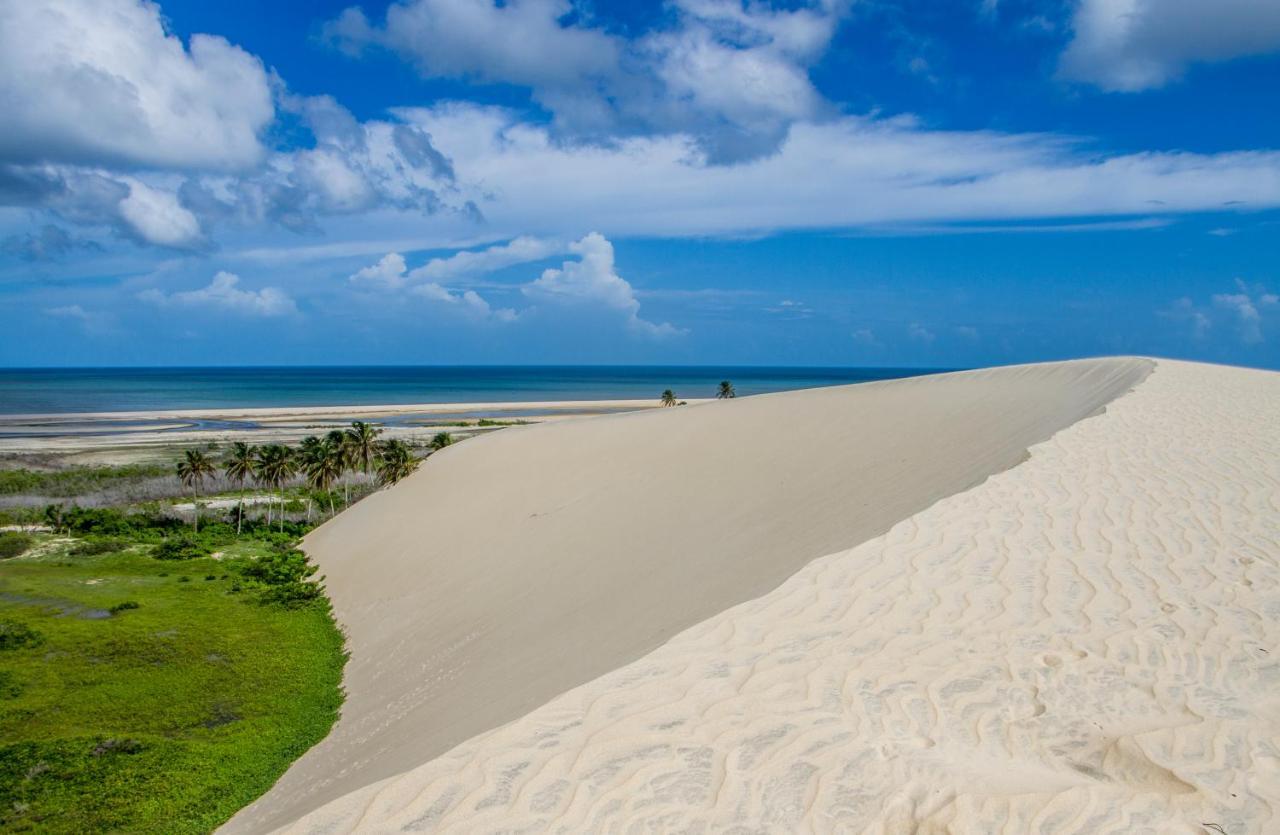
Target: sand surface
[(519, 565), (1085, 643)]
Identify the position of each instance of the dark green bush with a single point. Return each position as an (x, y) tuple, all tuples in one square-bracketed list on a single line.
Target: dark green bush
[(121, 607), (15, 544), (182, 547), (285, 574), (15, 635), (98, 545)]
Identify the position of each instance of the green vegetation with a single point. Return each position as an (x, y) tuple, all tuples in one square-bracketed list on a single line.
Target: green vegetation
[(725, 391), (668, 398), (488, 422), (132, 700), (75, 481), (15, 544)]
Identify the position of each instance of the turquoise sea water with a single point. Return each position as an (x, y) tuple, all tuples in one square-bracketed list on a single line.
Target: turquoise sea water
[(69, 390)]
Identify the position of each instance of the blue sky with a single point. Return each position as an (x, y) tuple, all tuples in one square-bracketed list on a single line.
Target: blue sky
[(840, 182)]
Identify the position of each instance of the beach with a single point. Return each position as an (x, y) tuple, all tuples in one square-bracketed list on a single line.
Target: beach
[(121, 437), (1038, 594)]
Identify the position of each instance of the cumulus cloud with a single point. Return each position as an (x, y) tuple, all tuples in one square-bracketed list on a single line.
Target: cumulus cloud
[(1245, 306), (1131, 45), (920, 333), (353, 167), (100, 82), (733, 76), (467, 300), (593, 280), (866, 337), (224, 293), (111, 121), (520, 250), (388, 272), (156, 216), (1246, 311)]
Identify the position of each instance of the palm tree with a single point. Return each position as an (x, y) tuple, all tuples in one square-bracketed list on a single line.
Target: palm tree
[(668, 398), (239, 467), (395, 461), (441, 440), (276, 465), (340, 447), (322, 465), (310, 451), (362, 440), (726, 390), (193, 469)]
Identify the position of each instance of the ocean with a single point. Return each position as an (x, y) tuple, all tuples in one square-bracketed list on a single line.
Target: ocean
[(70, 390)]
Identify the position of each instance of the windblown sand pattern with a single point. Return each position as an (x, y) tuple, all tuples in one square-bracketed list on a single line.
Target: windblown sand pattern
[(1084, 643), (515, 567)]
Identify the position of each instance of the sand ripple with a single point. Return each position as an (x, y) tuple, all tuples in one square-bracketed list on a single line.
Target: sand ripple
[(1084, 643)]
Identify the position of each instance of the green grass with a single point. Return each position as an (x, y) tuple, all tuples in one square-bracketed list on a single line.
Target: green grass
[(75, 481), (167, 717)]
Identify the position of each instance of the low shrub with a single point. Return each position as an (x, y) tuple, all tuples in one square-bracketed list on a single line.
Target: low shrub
[(15, 544), (285, 576), (182, 547), (126, 605), (15, 635), (97, 546)]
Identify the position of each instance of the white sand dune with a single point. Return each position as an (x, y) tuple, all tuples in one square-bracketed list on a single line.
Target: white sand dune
[(1084, 643), (517, 566)]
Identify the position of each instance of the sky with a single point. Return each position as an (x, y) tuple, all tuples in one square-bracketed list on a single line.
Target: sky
[(833, 182)]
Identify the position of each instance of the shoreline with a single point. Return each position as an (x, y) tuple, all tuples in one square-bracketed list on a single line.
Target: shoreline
[(338, 411)]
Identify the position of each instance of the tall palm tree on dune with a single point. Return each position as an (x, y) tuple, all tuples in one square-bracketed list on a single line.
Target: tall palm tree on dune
[(239, 467), (726, 390), (193, 469), (668, 398)]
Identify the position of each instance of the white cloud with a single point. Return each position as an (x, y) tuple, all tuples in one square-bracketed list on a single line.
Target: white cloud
[(1131, 45), (157, 217), (920, 333), (388, 272), (866, 337), (467, 300), (1246, 305), (224, 293), (901, 173), (519, 250), (594, 280), (101, 82), (733, 76)]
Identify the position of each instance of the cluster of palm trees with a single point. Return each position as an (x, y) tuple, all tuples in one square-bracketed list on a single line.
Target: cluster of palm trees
[(323, 461), (724, 392)]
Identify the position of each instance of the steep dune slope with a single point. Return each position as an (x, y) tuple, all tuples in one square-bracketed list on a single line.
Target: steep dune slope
[(1085, 643), (516, 566)]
